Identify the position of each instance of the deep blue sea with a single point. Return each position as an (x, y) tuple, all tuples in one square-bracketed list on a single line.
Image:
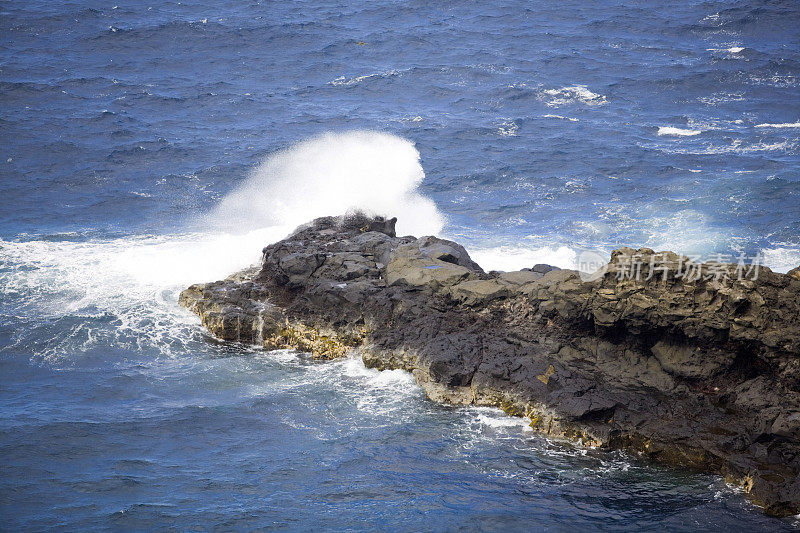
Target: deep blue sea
[(150, 145)]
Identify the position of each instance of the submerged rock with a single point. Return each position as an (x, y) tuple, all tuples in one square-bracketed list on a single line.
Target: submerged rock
[(700, 370)]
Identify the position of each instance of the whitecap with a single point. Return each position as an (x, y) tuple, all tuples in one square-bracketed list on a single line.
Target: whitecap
[(561, 117), (782, 125), (343, 81), (669, 130), (731, 50), (569, 95), (508, 129)]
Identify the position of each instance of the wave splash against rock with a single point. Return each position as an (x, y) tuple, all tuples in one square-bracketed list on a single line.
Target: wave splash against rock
[(702, 372)]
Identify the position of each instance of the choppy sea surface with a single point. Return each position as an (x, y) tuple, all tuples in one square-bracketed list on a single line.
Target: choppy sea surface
[(151, 145)]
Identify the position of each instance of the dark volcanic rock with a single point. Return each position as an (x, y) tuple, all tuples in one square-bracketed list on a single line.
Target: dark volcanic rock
[(700, 370)]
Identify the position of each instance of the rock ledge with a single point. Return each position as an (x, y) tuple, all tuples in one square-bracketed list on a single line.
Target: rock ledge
[(701, 371)]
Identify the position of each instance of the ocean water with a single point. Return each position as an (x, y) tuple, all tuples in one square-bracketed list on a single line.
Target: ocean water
[(147, 146)]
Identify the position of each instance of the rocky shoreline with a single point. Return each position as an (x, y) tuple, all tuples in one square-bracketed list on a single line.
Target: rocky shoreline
[(701, 371)]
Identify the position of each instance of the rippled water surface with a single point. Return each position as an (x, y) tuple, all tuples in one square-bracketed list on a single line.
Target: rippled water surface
[(148, 146)]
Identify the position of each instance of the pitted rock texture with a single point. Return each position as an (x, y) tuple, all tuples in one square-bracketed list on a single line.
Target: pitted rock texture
[(699, 371)]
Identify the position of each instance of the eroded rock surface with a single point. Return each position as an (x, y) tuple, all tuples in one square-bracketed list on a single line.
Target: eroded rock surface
[(698, 372)]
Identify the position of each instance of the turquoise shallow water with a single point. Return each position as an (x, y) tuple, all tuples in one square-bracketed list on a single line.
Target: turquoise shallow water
[(138, 157)]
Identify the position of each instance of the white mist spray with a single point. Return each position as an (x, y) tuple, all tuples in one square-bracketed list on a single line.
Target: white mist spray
[(329, 175)]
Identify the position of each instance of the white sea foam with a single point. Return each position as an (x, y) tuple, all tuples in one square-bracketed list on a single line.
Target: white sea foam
[(731, 50), (783, 125), (508, 128), (669, 130), (561, 117), (781, 258), (388, 390), (494, 417), (569, 95), (690, 232), (509, 258), (721, 98), (736, 147), (343, 81), (132, 281)]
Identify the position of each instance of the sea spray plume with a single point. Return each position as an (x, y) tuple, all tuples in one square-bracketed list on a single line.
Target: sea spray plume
[(131, 280), (330, 174)]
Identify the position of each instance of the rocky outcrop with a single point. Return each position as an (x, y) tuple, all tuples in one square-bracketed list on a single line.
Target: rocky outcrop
[(700, 370)]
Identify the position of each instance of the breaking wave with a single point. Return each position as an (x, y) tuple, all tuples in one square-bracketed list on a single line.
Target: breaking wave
[(133, 282), (681, 132), (328, 175)]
